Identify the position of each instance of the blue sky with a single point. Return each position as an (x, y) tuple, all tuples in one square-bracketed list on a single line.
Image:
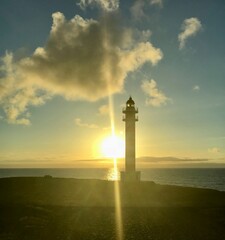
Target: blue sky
[(54, 101)]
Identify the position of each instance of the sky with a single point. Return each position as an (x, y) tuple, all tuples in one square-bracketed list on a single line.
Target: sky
[(68, 67)]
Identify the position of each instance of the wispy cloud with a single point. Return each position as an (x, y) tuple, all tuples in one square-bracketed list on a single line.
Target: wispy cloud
[(214, 150), (107, 5), (156, 98), (196, 88), (79, 123), (157, 2), (190, 28), (137, 9), (80, 54), (104, 110)]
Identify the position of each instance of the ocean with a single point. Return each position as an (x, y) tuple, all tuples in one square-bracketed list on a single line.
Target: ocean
[(192, 177)]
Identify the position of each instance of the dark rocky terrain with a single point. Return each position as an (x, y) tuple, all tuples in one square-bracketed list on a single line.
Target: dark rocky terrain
[(53, 208)]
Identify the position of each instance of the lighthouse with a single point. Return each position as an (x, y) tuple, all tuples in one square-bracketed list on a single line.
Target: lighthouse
[(130, 118)]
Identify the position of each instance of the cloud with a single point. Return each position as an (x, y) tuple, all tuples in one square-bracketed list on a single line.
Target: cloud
[(157, 2), (190, 28), (79, 123), (156, 98), (104, 110), (137, 10), (15, 95), (196, 88), (82, 59), (107, 5), (214, 150)]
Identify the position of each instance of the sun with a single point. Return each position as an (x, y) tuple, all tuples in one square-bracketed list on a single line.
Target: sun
[(113, 147)]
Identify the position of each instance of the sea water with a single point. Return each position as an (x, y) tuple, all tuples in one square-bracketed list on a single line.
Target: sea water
[(195, 177)]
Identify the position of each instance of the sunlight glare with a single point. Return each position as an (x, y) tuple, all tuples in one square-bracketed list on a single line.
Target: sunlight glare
[(113, 147)]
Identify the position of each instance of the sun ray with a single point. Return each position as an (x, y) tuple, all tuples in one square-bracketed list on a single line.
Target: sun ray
[(118, 210), (108, 75)]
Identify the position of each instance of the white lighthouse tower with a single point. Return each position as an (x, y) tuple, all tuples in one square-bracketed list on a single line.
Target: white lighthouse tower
[(130, 173)]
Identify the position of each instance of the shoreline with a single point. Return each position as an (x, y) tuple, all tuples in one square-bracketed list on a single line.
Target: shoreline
[(200, 178)]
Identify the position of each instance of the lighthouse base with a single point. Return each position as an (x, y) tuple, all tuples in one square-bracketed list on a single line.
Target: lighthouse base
[(130, 176)]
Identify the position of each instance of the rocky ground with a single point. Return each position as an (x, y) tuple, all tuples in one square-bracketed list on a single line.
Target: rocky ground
[(49, 208)]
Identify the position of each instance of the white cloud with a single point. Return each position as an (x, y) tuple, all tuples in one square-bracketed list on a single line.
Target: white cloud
[(82, 59), (196, 88), (214, 150), (190, 28), (79, 123), (107, 5), (104, 110), (156, 98)]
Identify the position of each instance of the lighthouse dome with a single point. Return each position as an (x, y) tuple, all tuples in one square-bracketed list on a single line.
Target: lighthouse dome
[(130, 102)]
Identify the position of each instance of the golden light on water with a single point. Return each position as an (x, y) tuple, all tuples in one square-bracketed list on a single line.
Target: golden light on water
[(113, 174)]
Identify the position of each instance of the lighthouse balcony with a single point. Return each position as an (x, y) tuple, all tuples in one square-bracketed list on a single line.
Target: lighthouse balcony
[(130, 109)]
